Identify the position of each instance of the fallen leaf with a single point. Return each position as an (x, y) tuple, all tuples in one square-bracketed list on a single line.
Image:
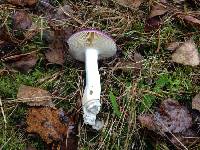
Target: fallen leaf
[(154, 20), (34, 96), (55, 53), (158, 9), (130, 3), (173, 46), (172, 117), (196, 102), (186, 54), (22, 62), (47, 123), (21, 20), (189, 20), (23, 2)]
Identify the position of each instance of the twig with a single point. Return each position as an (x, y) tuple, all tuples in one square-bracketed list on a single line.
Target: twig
[(158, 47), (4, 116)]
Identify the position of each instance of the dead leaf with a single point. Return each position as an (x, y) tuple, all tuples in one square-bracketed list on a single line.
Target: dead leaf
[(189, 20), (130, 3), (173, 46), (23, 2), (22, 62), (172, 117), (158, 9), (154, 20), (21, 20), (55, 53), (196, 102), (46, 122), (34, 96), (186, 54)]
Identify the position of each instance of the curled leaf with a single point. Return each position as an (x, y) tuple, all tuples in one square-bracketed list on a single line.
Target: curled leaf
[(154, 20)]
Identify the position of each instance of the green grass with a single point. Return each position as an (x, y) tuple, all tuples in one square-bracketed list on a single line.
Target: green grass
[(158, 80)]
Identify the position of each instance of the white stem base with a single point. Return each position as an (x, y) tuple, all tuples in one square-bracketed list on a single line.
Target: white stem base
[(91, 98)]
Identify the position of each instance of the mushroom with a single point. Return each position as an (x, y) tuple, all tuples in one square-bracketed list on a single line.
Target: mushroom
[(89, 46)]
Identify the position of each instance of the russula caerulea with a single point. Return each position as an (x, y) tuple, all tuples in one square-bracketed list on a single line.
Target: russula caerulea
[(89, 46)]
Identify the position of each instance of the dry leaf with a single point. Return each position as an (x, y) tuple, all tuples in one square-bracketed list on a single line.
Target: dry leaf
[(55, 53), (21, 20), (186, 54), (154, 20), (172, 117), (23, 2), (22, 62), (190, 20), (130, 3), (158, 9), (47, 123), (196, 102), (34, 96)]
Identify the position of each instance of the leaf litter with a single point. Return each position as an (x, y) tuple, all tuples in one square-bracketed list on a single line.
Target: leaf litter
[(54, 121), (34, 96)]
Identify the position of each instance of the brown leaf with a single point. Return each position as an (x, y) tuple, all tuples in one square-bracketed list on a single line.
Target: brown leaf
[(55, 53), (34, 96), (23, 2), (190, 20), (196, 102), (21, 20), (130, 3), (154, 20), (152, 24), (46, 122), (22, 62), (186, 54), (172, 117), (158, 9)]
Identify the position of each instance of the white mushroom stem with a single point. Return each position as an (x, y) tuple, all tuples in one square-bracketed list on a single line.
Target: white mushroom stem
[(91, 98)]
